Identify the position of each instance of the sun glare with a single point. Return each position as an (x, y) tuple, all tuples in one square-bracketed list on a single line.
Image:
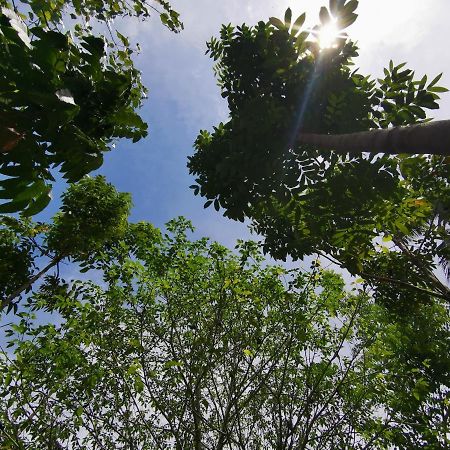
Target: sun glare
[(328, 34)]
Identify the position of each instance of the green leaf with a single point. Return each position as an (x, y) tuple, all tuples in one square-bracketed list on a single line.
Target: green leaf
[(350, 6), (14, 171), (422, 82), (437, 89), (334, 7), (38, 204), (277, 23), (435, 80), (298, 24), (288, 18), (94, 45), (401, 226), (139, 385), (125, 41), (347, 20), (35, 189), (418, 111), (173, 363), (195, 188), (406, 115), (14, 206), (301, 38), (164, 17), (5, 194), (324, 15), (401, 65)]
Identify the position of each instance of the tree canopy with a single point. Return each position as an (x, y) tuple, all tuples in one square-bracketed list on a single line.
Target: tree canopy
[(279, 83), (186, 345), (92, 213), (66, 95), (150, 339)]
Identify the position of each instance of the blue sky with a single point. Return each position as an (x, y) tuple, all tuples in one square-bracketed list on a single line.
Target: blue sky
[(184, 98)]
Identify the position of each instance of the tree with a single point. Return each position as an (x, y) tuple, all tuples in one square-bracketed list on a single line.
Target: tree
[(282, 86), (92, 212), (66, 96), (185, 345)]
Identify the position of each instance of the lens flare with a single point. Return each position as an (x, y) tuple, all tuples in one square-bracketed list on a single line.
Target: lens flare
[(328, 35)]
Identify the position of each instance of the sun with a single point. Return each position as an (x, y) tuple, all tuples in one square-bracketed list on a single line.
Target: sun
[(328, 35)]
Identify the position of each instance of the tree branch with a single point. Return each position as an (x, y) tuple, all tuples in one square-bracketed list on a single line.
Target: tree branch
[(385, 279), (7, 301), (424, 138)]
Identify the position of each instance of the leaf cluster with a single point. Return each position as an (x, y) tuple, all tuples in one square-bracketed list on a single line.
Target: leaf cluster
[(92, 214), (277, 82), (66, 97), (16, 263)]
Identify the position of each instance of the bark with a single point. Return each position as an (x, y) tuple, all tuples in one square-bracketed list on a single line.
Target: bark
[(197, 415), (427, 138)]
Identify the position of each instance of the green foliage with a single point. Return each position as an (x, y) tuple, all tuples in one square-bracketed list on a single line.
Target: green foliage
[(16, 263), (50, 13), (415, 355), (304, 201), (65, 96), (92, 214), (186, 344), (278, 85)]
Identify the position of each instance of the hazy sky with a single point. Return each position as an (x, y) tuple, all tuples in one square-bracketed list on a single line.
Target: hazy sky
[(184, 98)]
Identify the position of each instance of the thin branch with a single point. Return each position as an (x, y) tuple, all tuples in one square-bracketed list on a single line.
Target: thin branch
[(415, 259), (385, 279), (28, 284)]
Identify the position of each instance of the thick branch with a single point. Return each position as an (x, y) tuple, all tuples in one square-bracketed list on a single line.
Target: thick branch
[(426, 138)]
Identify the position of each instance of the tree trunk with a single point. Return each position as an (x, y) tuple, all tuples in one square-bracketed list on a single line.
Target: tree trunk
[(427, 138), (197, 416)]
